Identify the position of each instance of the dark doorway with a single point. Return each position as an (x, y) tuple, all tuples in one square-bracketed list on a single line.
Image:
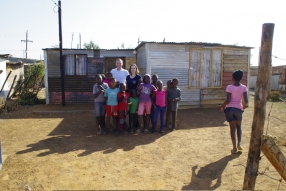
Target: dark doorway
[(109, 63)]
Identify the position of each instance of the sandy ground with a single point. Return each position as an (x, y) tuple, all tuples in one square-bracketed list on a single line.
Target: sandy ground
[(63, 152)]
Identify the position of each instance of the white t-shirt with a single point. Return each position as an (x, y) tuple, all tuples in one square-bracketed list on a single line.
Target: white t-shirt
[(119, 75)]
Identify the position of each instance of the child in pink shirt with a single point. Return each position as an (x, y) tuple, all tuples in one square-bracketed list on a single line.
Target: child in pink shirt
[(159, 106), (233, 108)]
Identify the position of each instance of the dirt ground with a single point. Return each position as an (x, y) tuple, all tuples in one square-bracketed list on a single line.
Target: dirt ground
[(63, 152)]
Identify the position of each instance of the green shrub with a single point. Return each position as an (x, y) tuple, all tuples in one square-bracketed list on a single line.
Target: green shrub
[(274, 96)]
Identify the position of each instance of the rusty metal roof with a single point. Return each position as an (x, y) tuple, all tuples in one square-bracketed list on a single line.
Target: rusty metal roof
[(193, 43)]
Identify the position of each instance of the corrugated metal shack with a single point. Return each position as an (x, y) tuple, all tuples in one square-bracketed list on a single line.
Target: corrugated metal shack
[(81, 67), (203, 69)]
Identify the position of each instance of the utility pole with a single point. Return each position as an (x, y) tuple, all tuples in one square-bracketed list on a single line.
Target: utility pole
[(260, 98), (61, 53), (79, 41), (71, 40), (26, 43)]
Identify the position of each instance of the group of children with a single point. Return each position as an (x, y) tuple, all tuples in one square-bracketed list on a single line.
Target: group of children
[(151, 98), (143, 105)]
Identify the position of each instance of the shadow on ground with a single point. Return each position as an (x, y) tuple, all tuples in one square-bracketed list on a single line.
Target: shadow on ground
[(209, 176), (77, 132)]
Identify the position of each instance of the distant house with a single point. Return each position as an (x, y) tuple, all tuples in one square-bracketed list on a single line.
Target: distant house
[(203, 69), (27, 62), (80, 68), (278, 78)]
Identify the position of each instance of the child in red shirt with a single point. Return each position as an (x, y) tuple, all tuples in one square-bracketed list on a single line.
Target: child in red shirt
[(123, 97)]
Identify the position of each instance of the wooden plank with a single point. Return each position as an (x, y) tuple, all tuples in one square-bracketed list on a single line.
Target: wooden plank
[(216, 69), (218, 101), (235, 51), (240, 62), (194, 103), (195, 63), (274, 155), (212, 91), (210, 105), (206, 68), (212, 97), (229, 74), (236, 55), (234, 68)]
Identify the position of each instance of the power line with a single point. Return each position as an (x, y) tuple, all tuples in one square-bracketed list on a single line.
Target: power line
[(278, 58)]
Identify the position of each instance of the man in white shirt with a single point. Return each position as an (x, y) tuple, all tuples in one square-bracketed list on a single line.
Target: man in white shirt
[(119, 73)]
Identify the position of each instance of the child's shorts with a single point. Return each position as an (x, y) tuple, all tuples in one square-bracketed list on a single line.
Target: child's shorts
[(144, 106), (112, 110), (99, 109), (233, 114)]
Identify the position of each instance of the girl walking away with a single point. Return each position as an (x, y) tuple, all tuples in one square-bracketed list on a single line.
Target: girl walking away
[(159, 106), (110, 95), (99, 103), (123, 97), (133, 109), (173, 97), (144, 91), (233, 108)]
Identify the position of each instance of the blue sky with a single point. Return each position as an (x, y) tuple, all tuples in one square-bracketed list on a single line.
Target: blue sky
[(109, 23)]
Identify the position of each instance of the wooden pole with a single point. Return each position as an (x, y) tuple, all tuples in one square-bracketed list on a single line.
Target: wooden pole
[(5, 81), (11, 87), (260, 98)]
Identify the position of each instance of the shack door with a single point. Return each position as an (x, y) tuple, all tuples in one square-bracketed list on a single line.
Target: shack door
[(109, 63)]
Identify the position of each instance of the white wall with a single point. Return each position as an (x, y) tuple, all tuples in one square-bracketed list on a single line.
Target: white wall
[(274, 82), (3, 78)]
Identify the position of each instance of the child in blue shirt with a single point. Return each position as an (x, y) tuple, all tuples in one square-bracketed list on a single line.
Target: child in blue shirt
[(110, 95)]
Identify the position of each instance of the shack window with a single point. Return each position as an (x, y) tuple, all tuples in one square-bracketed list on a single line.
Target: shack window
[(205, 68), (75, 65)]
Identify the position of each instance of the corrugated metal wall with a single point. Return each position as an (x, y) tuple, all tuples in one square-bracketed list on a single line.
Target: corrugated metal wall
[(173, 62), (141, 60), (117, 53)]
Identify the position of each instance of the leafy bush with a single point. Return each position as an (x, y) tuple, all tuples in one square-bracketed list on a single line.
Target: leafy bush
[(274, 96), (31, 86)]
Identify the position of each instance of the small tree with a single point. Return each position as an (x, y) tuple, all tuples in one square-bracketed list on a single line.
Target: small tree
[(55, 46), (31, 86), (122, 46), (91, 45)]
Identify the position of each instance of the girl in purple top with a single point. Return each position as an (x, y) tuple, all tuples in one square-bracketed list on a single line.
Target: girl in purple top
[(233, 108), (145, 91), (159, 106)]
